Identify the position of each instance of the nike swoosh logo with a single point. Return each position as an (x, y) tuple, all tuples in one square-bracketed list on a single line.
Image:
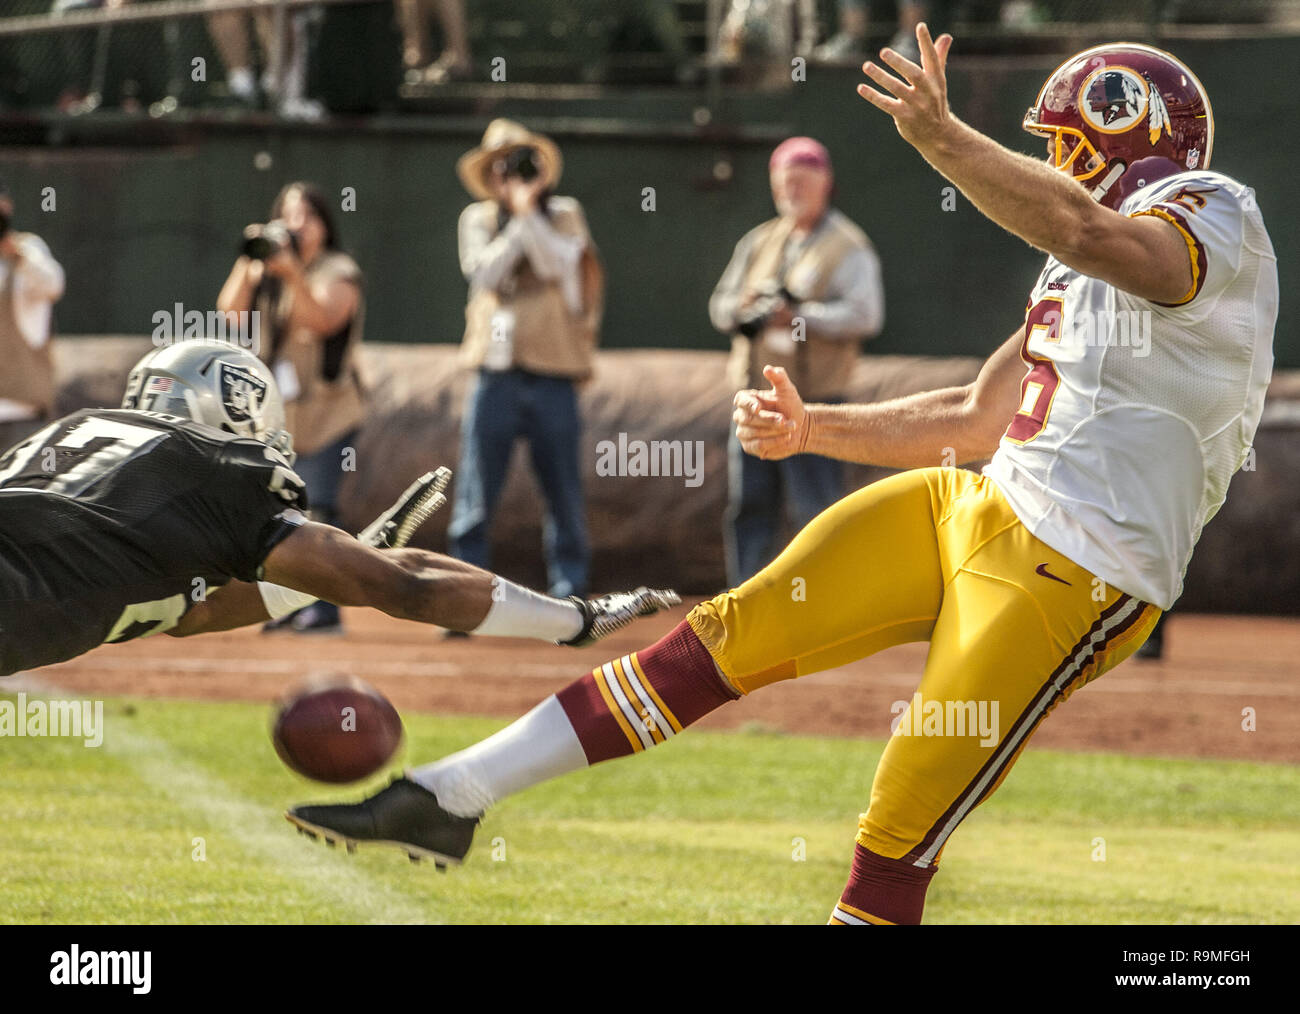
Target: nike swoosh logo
[(1042, 569)]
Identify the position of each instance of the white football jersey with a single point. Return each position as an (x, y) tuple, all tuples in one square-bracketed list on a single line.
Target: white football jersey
[(1134, 415)]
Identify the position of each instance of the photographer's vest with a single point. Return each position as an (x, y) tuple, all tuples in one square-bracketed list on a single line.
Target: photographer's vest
[(547, 337), (820, 367), (330, 402), (27, 375)]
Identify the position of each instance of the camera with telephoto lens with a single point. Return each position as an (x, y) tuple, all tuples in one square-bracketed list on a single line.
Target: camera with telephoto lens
[(262, 242), (753, 318), (521, 162)]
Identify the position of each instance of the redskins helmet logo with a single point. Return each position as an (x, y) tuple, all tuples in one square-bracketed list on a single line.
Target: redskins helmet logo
[(1114, 99)]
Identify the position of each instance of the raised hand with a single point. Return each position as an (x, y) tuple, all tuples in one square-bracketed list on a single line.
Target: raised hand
[(918, 97)]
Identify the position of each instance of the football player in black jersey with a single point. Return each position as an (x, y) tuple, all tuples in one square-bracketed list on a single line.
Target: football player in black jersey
[(180, 513)]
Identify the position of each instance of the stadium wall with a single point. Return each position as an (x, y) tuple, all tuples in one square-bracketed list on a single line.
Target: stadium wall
[(666, 530)]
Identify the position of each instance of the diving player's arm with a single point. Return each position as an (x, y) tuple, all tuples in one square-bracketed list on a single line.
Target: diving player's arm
[(410, 584), (326, 563), (1145, 255), (951, 425)]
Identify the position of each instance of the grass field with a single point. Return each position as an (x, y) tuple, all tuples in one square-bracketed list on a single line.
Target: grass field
[(703, 830)]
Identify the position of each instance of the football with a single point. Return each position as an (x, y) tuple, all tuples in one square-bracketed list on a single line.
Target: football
[(336, 729)]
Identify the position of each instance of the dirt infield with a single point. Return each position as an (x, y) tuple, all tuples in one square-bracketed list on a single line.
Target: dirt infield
[(1190, 704)]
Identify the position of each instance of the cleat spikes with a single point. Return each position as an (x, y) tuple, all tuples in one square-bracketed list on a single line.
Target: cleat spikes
[(604, 615), (394, 528)]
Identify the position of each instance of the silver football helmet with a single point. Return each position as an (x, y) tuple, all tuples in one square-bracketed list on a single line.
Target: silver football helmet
[(214, 383)]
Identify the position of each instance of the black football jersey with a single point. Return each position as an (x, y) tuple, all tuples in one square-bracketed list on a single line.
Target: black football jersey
[(114, 522)]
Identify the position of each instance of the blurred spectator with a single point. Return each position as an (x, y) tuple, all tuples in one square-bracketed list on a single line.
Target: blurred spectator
[(801, 292), (128, 67), (73, 47), (31, 282), (453, 64), (309, 298), (95, 43), (535, 300), (640, 28), (771, 30), (288, 95), (850, 43)]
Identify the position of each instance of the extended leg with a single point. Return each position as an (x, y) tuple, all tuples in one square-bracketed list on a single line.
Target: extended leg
[(863, 576)]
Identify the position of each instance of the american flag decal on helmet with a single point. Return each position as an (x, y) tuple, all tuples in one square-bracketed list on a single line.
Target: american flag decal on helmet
[(159, 385)]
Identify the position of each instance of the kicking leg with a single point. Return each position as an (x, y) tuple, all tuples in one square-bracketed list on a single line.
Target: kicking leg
[(863, 576)]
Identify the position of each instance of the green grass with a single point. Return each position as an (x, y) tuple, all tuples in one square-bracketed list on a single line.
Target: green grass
[(700, 830)]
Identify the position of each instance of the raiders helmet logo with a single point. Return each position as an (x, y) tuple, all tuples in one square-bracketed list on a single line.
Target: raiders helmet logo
[(242, 393), (1114, 99)]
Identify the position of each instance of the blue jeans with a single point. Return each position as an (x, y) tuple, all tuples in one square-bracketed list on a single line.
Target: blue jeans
[(322, 471), (504, 406), (756, 490)]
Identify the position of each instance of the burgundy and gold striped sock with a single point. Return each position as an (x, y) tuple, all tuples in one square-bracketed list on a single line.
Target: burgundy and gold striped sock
[(882, 891), (647, 697)]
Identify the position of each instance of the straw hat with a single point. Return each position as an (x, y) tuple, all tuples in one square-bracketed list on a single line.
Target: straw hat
[(502, 137)]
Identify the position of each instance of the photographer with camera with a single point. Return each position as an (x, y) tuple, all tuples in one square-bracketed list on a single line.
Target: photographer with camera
[(801, 292), (535, 301), (310, 307), (31, 282)]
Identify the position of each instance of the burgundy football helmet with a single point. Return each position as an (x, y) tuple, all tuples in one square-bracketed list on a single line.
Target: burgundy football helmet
[(1122, 116)]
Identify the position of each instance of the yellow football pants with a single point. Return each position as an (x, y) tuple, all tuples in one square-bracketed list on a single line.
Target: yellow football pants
[(931, 554)]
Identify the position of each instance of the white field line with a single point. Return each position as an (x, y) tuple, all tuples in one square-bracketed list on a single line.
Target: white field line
[(316, 869)]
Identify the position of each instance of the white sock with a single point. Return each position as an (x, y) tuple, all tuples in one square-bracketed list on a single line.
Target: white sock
[(518, 612), (241, 84), (532, 749)]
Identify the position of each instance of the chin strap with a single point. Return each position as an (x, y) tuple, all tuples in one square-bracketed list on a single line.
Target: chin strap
[(1116, 170)]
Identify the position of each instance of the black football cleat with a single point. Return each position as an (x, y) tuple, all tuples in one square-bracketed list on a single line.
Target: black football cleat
[(405, 815), (602, 616), (393, 528)]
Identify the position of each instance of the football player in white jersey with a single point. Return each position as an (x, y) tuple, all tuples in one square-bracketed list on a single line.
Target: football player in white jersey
[(1115, 418)]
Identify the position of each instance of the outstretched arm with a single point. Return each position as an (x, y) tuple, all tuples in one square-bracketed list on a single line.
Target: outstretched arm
[(414, 584), (948, 426), (1046, 208), (411, 584)]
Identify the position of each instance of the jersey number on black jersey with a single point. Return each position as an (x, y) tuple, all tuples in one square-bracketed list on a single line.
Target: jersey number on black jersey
[(89, 450)]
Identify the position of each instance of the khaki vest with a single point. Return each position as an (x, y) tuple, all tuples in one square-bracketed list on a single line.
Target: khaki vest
[(820, 367), (324, 409), (548, 338), (27, 374)]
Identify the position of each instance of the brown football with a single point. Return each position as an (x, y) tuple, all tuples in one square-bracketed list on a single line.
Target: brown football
[(336, 729)]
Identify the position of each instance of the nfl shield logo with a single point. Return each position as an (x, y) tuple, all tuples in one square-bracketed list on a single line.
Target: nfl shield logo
[(241, 392)]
